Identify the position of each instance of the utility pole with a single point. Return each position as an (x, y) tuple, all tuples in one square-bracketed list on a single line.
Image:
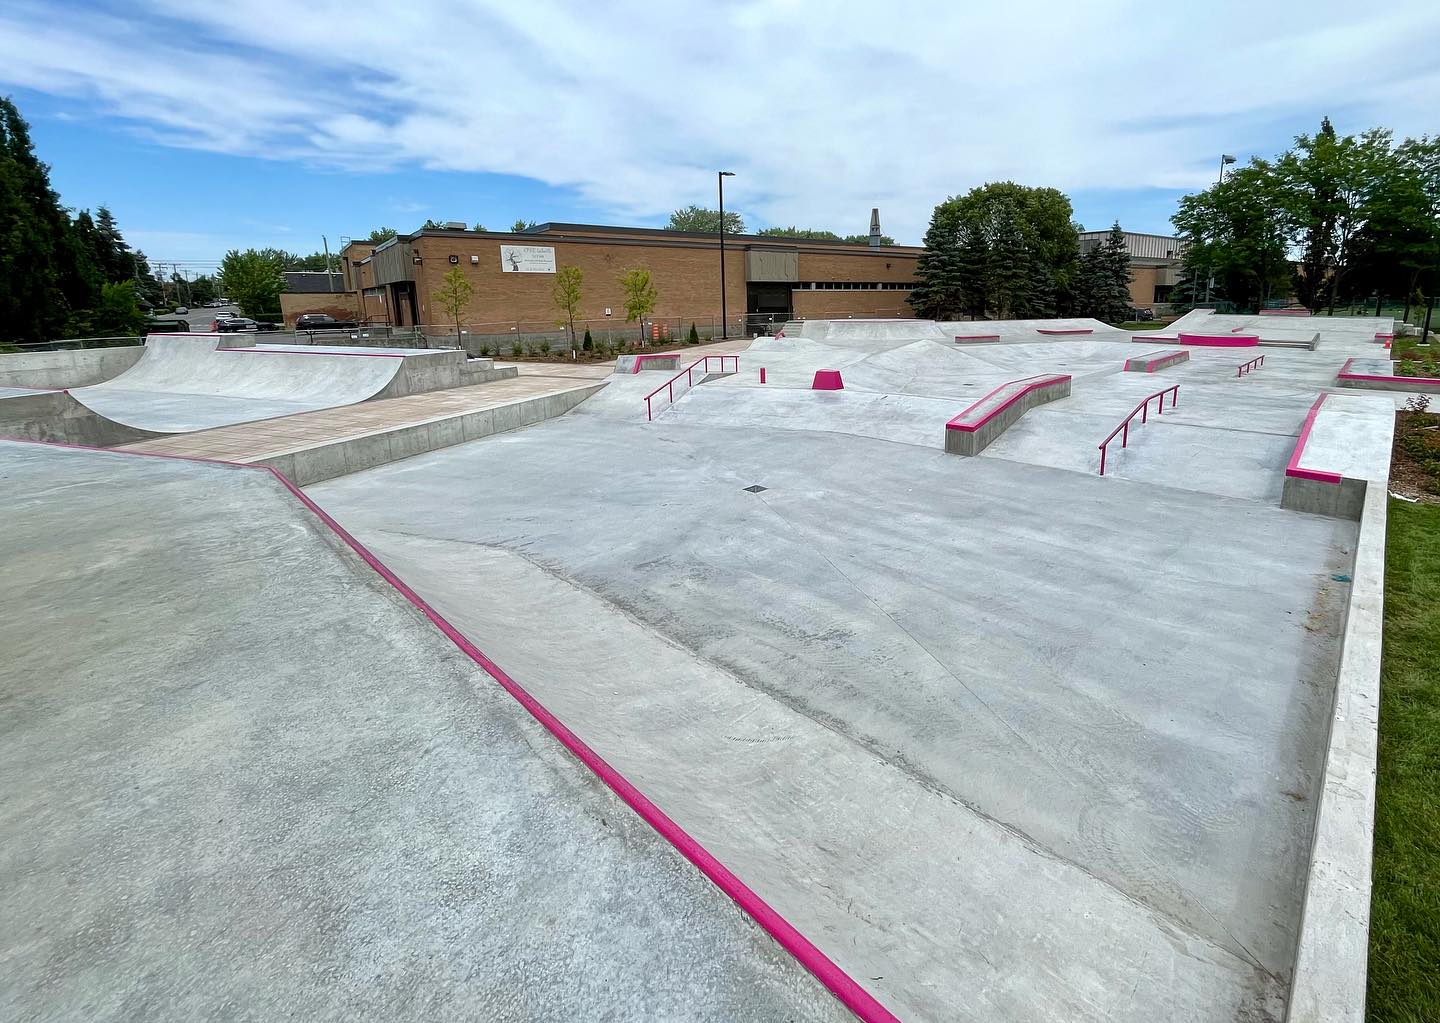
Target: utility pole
[(720, 177), (329, 277)]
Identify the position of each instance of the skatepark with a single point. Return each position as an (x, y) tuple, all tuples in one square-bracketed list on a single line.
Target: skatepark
[(779, 702)]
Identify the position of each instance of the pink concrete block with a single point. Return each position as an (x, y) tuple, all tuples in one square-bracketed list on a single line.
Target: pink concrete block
[(827, 380), (1220, 340)]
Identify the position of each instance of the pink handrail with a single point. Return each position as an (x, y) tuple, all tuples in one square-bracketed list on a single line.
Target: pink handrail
[(688, 374), (1143, 411), (1254, 363)]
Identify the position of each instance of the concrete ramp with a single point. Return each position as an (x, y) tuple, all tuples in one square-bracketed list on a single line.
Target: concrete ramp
[(839, 332), (187, 382)]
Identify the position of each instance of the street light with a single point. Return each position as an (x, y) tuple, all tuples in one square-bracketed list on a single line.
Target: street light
[(1224, 159), (720, 177)]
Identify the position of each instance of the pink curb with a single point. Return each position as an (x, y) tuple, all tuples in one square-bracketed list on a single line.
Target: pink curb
[(1067, 330), (850, 994), (1035, 385), (1220, 340), (1345, 374), (1292, 468)]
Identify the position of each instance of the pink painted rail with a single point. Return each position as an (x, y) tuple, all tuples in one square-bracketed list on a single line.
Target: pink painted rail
[(1143, 411), (689, 374), (1246, 367)]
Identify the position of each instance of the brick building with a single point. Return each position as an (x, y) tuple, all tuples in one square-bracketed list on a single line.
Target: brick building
[(766, 279), (1154, 264)]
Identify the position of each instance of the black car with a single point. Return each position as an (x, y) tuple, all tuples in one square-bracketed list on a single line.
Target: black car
[(239, 324), (323, 321)]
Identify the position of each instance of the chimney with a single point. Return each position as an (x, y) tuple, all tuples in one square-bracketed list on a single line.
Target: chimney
[(875, 227)]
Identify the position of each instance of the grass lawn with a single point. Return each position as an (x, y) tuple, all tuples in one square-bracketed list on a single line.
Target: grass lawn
[(1143, 324), (1404, 984)]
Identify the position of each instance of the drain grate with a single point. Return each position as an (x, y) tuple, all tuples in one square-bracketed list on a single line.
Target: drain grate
[(755, 488)]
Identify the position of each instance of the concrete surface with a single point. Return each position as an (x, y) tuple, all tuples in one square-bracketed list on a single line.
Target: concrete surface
[(1334, 944), (53, 415), (905, 689), (1150, 362), (74, 368), (320, 445), (188, 382), (244, 779)]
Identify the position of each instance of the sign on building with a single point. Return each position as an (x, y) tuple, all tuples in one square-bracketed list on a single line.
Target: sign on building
[(527, 259)]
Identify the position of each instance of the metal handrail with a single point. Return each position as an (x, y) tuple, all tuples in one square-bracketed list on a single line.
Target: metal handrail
[(1143, 411), (688, 374), (1254, 363)]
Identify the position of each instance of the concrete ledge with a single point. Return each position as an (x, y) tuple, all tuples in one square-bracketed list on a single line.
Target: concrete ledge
[(1156, 361), (1351, 376), (1332, 952), (56, 417), (341, 457), (72, 368), (1274, 342), (1058, 331), (636, 363), (961, 339), (973, 430)]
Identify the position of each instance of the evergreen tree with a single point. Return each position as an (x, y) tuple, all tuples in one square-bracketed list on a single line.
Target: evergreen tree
[(1111, 283), (1008, 271), (34, 234), (939, 289)]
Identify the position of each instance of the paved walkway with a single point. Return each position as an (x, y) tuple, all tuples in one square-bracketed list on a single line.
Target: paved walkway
[(247, 442)]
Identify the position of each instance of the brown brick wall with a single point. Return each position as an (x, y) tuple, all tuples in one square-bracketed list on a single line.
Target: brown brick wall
[(862, 266), (340, 305), (817, 305), (1142, 285)]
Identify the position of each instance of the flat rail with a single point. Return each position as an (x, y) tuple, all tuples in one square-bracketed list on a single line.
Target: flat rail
[(689, 374), (1143, 411)]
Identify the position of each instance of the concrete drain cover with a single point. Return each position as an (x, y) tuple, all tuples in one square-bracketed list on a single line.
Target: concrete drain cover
[(755, 488)]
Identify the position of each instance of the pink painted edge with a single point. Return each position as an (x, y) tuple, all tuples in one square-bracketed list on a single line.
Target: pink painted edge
[(977, 337), (1345, 374), (1384, 337), (849, 992), (362, 355), (1047, 381), (1219, 340), (1067, 330), (1292, 468)]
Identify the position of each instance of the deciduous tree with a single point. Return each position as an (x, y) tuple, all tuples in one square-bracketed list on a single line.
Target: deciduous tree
[(640, 296), (567, 293), (253, 279), (453, 296), (697, 218)]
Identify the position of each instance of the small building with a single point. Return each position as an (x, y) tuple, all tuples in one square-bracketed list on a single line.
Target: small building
[(1154, 264), (767, 279), (316, 291)]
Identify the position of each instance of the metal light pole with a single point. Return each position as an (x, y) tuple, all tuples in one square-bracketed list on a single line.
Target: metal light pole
[(1225, 158), (720, 177)]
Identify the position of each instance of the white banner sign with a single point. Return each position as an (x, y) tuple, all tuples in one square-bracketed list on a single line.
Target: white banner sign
[(527, 259)]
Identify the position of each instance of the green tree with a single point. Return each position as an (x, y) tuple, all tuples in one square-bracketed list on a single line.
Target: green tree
[(519, 226), (640, 296), (34, 234), (566, 294), (382, 234), (1100, 286), (814, 234), (478, 227), (1237, 238), (203, 290), (254, 280), (698, 218), (864, 239), (118, 314), (454, 296)]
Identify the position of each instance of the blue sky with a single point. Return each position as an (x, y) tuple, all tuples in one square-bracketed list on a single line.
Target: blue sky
[(263, 122)]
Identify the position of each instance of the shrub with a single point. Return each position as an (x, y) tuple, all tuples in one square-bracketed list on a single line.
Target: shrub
[(517, 349), (484, 351), (694, 338), (589, 343), (543, 347)]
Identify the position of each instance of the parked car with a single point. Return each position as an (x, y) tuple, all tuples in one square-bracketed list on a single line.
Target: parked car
[(323, 321), (167, 325), (239, 324), (181, 310)]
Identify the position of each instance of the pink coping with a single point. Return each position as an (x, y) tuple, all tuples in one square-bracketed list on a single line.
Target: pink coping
[(1293, 468), (1384, 337), (1345, 374), (977, 337), (955, 423), (1220, 340), (827, 380), (291, 351), (654, 355), (854, 997), (1066, 330)]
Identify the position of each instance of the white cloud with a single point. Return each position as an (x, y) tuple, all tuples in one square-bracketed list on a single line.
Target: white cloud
[(822, 109)]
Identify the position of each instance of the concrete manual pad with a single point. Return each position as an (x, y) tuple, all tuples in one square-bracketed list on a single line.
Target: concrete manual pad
[(244, 778), (1016, 741)]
